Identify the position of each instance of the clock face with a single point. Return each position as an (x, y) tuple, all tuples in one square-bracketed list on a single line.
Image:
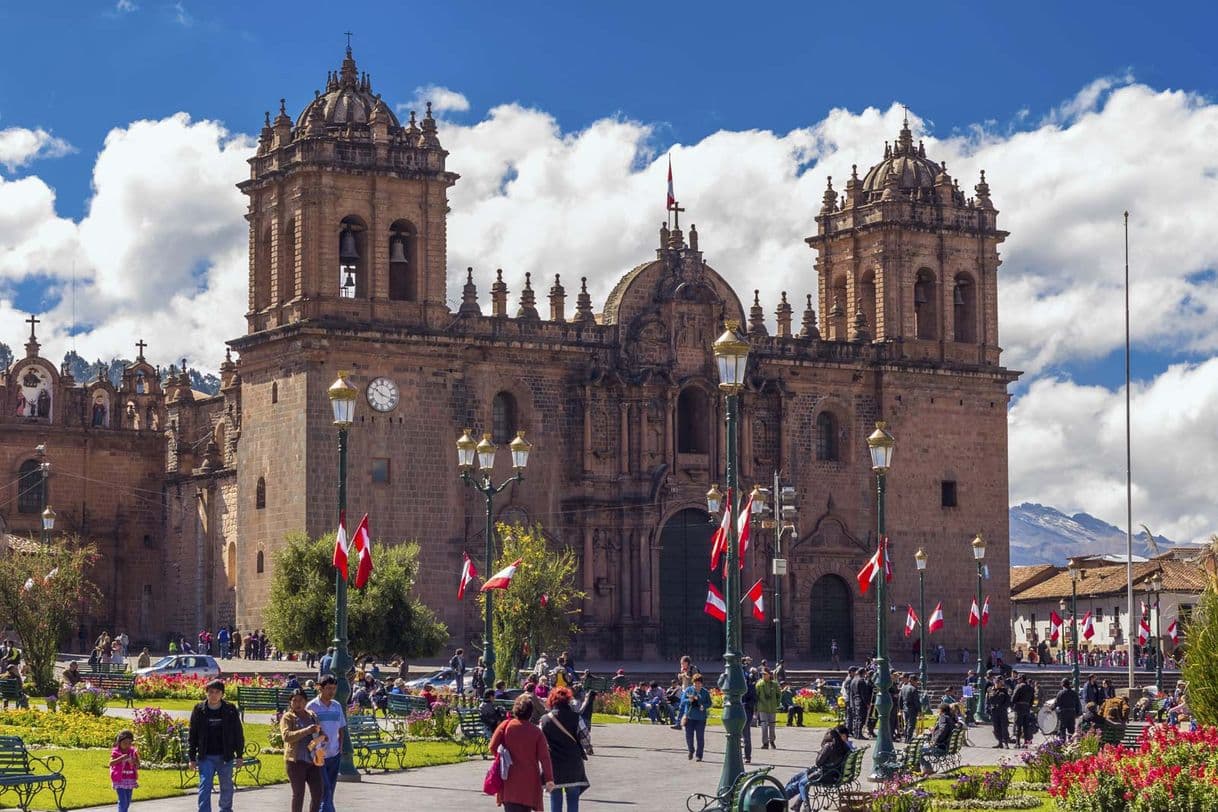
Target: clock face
[(383, 394)]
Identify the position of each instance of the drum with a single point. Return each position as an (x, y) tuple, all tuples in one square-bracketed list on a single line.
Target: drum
[(1046, 718)]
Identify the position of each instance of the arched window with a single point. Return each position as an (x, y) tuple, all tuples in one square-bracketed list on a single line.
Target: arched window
[(827, 437), (403, 264), (261, 565), (352, 259), (287, 263), (964, 309), (29, 487), (926, 309), (867, 300), (260, 494), (503, 418), (693, 421)]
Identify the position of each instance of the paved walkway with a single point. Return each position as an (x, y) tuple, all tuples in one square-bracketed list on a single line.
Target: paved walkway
[(635, 767)]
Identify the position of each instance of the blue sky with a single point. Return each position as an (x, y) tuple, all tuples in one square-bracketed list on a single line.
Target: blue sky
[(125, 124)]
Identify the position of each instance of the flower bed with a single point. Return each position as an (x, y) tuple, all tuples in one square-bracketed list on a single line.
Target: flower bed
[(811, 700), (1170, 771), (184, 686)]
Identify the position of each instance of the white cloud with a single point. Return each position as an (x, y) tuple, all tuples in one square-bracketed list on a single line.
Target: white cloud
[(442, 100), (19, 146), (126, 6)]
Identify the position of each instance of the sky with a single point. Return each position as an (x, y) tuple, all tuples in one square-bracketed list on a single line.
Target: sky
[(125, 124)]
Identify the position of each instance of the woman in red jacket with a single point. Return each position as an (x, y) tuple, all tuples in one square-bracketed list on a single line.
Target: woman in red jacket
[(526, 745)]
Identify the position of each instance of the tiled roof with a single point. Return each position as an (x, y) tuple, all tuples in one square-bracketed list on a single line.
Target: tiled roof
[(1027, 575), (1109, 579)]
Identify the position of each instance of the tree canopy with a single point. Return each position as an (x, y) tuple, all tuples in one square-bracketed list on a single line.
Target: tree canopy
[(383, 620)]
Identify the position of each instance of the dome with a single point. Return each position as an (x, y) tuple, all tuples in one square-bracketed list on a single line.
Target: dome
[(347, 101), (915, 173)]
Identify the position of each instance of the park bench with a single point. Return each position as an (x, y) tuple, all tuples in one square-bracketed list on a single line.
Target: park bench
[(25, 776), (107, 668), (506, 705), (11, 690), (115, 683), (262, 699), (910, 761), (1111, 734), (598, 684), (828, 796), (179, 749), (1131, 736), (745, 783), (472, 732), (406, 704), (949, 760), (371, 747)]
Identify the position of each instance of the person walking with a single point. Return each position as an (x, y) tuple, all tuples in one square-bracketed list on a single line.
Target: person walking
[(124, 768), (214, 745), (327, 660), (1068, 708), (768, 696), (531, 769), (749, 702), (301, 737), (697, 702), (561, 729), (330, 716), (457, 664)]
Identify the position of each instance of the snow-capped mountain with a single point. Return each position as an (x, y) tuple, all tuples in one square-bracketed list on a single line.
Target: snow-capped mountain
[(1044, 535)]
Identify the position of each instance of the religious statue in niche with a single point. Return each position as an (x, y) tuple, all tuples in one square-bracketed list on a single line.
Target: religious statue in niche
[(651, 345), (101, 410), (34, 393), (692, 331), (141, 385)]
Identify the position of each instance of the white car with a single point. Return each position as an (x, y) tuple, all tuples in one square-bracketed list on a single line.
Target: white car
[(444, 678), (175, 664)]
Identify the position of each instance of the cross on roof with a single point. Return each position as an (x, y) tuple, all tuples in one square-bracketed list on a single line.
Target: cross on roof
[(348, 35), (140, 345), (32, 320), (676, 210)]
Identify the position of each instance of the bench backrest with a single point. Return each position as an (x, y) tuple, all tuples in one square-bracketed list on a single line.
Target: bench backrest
[(957, 741), (10, 687), (853, 767), (102, 680), (14, 758), (362, 726), (406, 703), (470, 721)]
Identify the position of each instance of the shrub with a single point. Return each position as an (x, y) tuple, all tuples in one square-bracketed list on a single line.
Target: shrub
[(615, 702), (812, 701), (155, 731), (900, 794), (84, 698), (183, 686)]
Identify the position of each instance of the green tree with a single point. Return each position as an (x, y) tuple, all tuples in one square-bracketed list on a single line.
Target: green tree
[(521, 616), (44, 589), (383, 619), (1200, 669)]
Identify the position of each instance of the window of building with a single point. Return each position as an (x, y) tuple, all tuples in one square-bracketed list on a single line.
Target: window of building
[(1099, 614), (275, 392), (503, 418), (827, 437), (948, 493), (380, 470), (693, 421), (261, 563), (148, 542), (403, 270), (30, 487), (260, 494), (352, 259), (287, 263), (964, 309), (926, 312), (1116, 612)]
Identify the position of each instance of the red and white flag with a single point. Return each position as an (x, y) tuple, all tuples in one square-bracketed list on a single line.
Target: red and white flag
[(1055, 626), (742, 529), (672, 197), (974, 614), (362, 541), (468, 573), (936, 618), (545, 600), (878, 561), (719, 538), (715, 605), (503, 578), (1173, 631), (911, 621), (340, 545), (756, 596), (985, 612), (1088, 626)]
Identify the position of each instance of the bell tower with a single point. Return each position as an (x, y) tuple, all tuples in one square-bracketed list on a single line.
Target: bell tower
[(904, 256), (347, 212)]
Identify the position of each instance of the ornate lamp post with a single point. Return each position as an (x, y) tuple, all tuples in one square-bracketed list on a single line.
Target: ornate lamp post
[(1076, 572), (48, 524), (979, 714), (731, 357), (1156, 586), (920, 560), (484, 453), (44, 474), (342, 401), (881, 444)]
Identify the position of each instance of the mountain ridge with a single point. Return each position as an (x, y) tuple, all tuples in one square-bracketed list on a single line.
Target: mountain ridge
[(1042, 534)]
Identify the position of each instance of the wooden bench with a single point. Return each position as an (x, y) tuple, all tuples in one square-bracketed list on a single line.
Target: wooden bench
[(1131, 736), (262, 699), (11, 690), (910, 761), (25, 776), (371, 747), (179, 750), (598, 684), (107, 668), (1111, 734), (115, 683), (828, 795), (732, 797), (406, 704), (472, 732), (506, 705), (949, 760)]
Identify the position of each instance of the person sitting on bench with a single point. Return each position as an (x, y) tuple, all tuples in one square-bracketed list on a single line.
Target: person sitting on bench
[(828, 769), (787, 702), (940, 737)]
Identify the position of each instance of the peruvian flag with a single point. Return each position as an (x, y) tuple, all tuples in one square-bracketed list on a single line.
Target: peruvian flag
[(1088, 626), (715, 605), (742, 529), (873, 566), (911, 621), (1173, 631), (985, 612), (340, 545), (719, 538), (1055, 626), (468, 573), (974, 614), (756, 595), (363, 548), (503, 578), (936, 618), (672, 197)]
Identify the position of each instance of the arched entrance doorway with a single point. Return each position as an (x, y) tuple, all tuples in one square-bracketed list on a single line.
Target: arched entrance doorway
[(831, 619), (684, 568)]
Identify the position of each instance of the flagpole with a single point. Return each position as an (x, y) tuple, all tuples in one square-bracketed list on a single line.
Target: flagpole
[(1128, 470)]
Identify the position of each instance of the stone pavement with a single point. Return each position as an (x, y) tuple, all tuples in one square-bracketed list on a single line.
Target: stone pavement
[(640, 767)]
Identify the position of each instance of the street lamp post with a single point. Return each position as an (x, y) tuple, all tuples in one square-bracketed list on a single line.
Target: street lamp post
[(48, 524), (731, 357), (342, 401), (44, 474), (785, 511), (484, 454), (979, 713), (1156, 586), (920, 559), (881, 444), (1076, 573)]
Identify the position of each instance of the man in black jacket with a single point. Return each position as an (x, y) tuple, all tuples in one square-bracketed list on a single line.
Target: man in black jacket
[(911, 704), (998, 700), (851, 697), (216, 743), (940, 737), (1021, 702), (1068, 709)]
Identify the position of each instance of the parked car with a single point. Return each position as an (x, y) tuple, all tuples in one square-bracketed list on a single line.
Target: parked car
[(444, 678), (182, 664)]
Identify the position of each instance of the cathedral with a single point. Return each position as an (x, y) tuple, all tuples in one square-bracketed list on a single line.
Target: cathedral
[(190, 495)]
